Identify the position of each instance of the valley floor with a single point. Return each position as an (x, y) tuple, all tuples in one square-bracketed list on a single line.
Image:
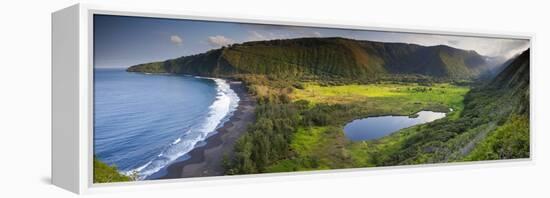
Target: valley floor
[(305, 132), (326, 144)]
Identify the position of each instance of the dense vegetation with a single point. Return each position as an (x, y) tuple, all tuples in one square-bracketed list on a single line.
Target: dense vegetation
[(307, 89), (104, 173), (509, 141), (306, 132), (328, 59)]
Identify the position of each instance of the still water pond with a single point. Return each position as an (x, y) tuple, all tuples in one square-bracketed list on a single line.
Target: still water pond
[(376, 127)]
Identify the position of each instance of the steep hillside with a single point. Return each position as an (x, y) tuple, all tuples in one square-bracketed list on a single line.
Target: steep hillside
[(514, 76), (493, 125), (326, 58), (509, 91)]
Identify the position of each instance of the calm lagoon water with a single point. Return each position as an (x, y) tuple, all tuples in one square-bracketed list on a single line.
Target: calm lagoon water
[(376, 127), (143, 122)]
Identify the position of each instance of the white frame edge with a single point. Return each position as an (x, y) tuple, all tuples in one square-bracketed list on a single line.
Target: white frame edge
[(65, 110), (72, 102)]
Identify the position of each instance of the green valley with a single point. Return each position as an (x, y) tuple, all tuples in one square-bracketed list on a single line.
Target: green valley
[(307, 89), (316, 115), (318, 140)]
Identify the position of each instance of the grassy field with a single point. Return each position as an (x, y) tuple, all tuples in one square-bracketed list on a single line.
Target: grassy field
[(326, 147), (441, 93), (389, 97)]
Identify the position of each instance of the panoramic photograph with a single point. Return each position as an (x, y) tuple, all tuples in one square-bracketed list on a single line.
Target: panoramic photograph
[(178, 98)]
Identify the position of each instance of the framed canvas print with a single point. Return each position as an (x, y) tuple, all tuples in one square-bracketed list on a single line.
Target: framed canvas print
[(149, 98)]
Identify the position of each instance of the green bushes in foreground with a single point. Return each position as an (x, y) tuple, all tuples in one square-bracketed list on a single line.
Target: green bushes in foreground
[(104, 173), (507, 142)]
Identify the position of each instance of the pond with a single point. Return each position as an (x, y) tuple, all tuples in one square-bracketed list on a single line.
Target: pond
[(376, 127)]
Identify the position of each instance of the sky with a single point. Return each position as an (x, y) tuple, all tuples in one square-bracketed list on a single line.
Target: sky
[(121, 41)]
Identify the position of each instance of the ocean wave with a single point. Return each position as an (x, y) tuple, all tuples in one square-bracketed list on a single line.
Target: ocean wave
[(219, 112), (177, 141)]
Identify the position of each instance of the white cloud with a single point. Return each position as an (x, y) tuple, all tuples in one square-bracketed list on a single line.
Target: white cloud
[(175, 39), (316, 34), (483, 45), (219, 41), (495, 47), (286, 34), (452, 42), (487, 46), (256, 36)]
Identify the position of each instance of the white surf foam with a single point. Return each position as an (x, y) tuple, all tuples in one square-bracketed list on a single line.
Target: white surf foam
[(177, 141), (222, 108)]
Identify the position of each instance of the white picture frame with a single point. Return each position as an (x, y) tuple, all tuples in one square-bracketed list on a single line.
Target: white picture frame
[(72, 101)]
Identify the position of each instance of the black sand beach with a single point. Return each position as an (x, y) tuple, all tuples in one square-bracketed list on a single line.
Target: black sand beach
[(208, 160)]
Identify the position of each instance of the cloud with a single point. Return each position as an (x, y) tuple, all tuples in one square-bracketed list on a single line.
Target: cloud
[(511, 47), (495, 47), (219, 41), (487, 46), (256, 36), (293, 32), (316, 34), (175, 39), (453, 42)]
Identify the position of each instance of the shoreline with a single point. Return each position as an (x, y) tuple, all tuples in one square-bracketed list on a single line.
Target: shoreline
[(207, 160)]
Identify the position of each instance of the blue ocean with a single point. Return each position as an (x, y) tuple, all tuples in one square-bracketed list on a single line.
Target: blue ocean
[(144, 122)]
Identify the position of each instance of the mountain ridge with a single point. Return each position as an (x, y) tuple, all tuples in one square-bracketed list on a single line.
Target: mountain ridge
[(333, 57)]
